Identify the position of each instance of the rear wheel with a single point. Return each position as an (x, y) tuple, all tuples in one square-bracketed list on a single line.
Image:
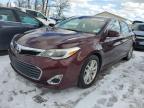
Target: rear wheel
[(129, 55), (89, 71)]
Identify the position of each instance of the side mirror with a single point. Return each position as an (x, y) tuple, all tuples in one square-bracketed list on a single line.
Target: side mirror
[(112, 33), (51, 25)]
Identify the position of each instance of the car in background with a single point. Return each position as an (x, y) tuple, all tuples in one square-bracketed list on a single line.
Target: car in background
[(58, 20), (71, 53), (38, 15), (138, 29), (14, 22), (134, 22)]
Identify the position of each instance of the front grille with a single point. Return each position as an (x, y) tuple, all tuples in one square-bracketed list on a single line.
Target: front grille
[(28, 52), (27, 70)]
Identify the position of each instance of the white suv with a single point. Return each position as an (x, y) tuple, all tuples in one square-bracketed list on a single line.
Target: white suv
[(38, 15)]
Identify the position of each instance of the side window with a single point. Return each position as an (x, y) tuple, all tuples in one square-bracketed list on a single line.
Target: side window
[(26, 19), (31, 13), (7, 15), (115, 26), (124, 28)]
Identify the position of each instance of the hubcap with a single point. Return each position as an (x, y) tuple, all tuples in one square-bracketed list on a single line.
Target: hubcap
[(90, 71)]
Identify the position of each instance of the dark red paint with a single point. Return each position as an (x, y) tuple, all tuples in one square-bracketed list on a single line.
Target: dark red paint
[(107, 49)]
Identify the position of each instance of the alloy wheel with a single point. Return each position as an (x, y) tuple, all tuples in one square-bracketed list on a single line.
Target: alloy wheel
[(90, 71)]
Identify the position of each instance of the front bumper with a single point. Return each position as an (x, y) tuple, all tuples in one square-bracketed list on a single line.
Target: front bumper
[(69, 69)]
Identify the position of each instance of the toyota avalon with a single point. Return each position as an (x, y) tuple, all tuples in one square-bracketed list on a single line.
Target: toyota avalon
[(72, 52)]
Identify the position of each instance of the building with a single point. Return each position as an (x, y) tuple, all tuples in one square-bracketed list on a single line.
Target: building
[(111, 15)]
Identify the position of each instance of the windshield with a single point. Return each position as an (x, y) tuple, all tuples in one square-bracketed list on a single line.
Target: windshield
[(88, 25), (138, 27), (36, 14)]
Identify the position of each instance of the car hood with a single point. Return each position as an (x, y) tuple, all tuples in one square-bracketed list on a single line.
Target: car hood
[(46, 23), (139, 33), (46, 38)]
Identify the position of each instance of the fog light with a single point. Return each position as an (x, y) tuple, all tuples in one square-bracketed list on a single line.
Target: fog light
[(55, 80)]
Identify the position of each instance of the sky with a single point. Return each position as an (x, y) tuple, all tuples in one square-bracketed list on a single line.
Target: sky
[(130, 9)]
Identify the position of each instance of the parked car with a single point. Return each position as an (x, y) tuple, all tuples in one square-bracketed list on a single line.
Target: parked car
[(134, 22), (71, 53), (138, 29), (38, 15), (14, 22), (58, 19)]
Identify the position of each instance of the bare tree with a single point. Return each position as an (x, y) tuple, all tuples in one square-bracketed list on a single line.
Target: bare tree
[(28, 4), (61, 6), (8, 4), (35, 4), (20, 3), (46, 6), (43, 5)]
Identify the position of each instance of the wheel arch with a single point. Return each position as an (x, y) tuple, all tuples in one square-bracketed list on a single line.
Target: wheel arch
[(99, 55)]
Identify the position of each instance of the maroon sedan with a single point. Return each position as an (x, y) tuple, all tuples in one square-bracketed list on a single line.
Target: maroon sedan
[(72, 52)]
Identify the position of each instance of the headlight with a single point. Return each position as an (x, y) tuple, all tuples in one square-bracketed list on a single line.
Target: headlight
[(59, 53)]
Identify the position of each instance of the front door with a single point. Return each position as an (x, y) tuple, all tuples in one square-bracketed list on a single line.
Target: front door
[(111, 45)]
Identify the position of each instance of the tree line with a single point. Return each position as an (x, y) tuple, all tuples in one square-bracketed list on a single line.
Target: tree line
[(45, 6)]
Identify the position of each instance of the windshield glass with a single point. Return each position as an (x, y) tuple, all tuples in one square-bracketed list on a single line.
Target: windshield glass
[(138, 27), (36, 14), (40, 15), (87, 24)]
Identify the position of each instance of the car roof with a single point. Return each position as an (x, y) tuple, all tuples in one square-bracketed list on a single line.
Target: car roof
[(10, 8), (25, 9), (6, 8)]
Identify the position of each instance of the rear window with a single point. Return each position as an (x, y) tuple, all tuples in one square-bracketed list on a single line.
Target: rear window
[(36, 14), (124, 28)]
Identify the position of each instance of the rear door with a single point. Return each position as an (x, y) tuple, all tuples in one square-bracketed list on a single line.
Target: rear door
[(127, 37)]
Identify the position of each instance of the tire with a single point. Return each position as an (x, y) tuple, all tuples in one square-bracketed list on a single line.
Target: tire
[(87, 70), (129, 55)]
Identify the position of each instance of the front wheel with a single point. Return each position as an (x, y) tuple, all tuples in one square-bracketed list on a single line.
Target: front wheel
[(89, 71)]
